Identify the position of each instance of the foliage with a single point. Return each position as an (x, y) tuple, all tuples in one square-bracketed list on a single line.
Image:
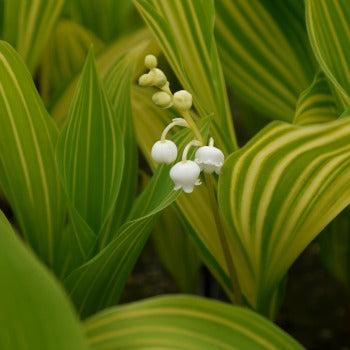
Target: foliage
[(71, 155)]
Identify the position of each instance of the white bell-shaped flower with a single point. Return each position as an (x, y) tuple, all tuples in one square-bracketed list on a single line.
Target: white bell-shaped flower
[(210, 158), (185, 175), (164, 151)]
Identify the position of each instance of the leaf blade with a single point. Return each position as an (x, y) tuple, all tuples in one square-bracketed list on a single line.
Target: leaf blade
[(278, 193), (184, 322), (27, 26), (263, 47), (29, 171), (47, 319), (91, 130), (328, 30)]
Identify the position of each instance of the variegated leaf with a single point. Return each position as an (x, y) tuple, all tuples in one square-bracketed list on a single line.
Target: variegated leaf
[(277, 194)]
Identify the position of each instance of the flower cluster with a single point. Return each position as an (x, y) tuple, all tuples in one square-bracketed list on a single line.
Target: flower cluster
[(185, 173)]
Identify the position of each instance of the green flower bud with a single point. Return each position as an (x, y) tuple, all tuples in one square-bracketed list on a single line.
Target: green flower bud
[(182, 100), (162, 99), (146, 80), (151, 61)]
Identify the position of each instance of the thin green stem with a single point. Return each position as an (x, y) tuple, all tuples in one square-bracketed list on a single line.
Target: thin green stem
[(175, 122), (237, 294), (187, 148), (192, 125)]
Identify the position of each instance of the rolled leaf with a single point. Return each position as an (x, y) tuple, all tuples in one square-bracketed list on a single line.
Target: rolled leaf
[(316, 104), (328, 27), (90, 151)]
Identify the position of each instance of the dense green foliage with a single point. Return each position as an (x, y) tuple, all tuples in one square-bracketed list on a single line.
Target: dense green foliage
[(76, 133)]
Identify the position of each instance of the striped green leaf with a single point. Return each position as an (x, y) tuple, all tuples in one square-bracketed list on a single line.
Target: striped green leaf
[(265, 53), (184, 30), (184, 322), (28, 172), (277, 194), (100, 281), (329, 28), (27, 26), (176, 251), (335, 247), (35, 312), (90, 151), (64, 55), (118, 85), (316, 104)]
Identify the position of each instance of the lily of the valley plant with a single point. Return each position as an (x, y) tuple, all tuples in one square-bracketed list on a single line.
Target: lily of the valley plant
[(86, 91)]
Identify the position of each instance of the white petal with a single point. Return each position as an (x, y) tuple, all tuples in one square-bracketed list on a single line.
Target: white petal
[(164, 151)]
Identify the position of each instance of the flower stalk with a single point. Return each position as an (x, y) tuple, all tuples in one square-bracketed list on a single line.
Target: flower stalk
[(185, 174)]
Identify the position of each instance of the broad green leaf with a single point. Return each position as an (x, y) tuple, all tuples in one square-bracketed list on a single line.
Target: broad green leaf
[(335, 247), (277, 194), (265, 53), (64, 55), (106, 18), (28, 172), (176, 251), (184, 30), (329, 28), (135, 46), (118, 84), (27, 26), (35, 312), (99, 282), (184, 322), (316, 104), (90, 151)]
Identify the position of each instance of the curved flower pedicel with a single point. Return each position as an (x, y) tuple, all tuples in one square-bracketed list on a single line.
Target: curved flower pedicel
[(210, 158), (185, 173)]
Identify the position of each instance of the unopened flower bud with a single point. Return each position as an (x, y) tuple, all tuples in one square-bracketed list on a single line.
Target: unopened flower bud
[(146, 80), (151, 61), (162, 99), (182, 100), (210, 158), (164, 151), (159, 78), (185, 175)]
